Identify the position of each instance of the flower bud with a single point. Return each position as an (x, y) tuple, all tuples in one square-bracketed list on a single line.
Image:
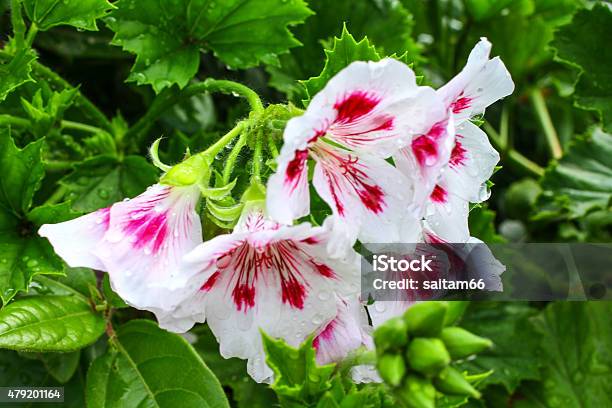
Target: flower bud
[(425, 318), (455, 311), (427, 355), (461, 343), (188, 172), (451, 381), (392, 334), (391, 368), (417, 392)]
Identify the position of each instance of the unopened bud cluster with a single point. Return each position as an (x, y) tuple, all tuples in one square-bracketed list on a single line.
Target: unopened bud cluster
[(416, 354)]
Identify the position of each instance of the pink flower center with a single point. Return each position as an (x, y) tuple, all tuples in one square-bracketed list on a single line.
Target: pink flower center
[(458, 155), (461, 104), (425, 147), (354, 106), (148, 226), (284, 263), (348, 173), (295, 168), (438, 194)]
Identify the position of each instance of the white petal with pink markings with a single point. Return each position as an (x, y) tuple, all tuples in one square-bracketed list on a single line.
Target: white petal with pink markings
[(75, 240), (471, 164), (423, 160), (481, 82), (271, 277), (145, 242), (374, 107), (371, 199)]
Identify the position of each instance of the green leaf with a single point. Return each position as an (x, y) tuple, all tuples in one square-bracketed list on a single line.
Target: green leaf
[(579, 44), (16, 72), (17, 371), (151, 367), (576, 338), (482, 225), (21, 258), (344, 51), (46, 110), (22, 172), (386, 23), (77, 281), (167, 37), (49, 323), (582, 180), (81, 14), (61, 366), (111, 297), (103, 180), (297, 377), (23, 254), (507, 326)]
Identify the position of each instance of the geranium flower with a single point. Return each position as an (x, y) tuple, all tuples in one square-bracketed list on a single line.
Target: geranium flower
[(139, 242), (349, 331), (452, 166), (268, 277), (363, 115)]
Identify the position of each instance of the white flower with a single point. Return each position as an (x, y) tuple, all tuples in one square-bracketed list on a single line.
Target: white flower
[(452, 161), (139, 242), (363, 115), (268, 277)]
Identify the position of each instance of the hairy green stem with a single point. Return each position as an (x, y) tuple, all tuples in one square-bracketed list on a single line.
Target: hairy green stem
[(513, 157), (257, 157), (33, 30), (232, 157), (170, 97), (19, 27), (552, 139), (272, 147), (215, 148)]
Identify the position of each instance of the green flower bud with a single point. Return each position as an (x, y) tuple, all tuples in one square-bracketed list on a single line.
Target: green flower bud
[(417, 392), (451, 381), (455, 311), (392, 334), (461, 343), (425, 318), (188, 172), (427, 355), (391, 368)]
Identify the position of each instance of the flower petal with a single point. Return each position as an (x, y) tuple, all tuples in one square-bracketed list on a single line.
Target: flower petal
[(374, 107), (288, 197), (447, 215), (471, 164), (371, 198), (145, 242), (478, 85), (279, 279), (75, 240), (346, 332), (426, 156)]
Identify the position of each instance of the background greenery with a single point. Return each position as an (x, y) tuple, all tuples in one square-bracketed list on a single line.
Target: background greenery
[(85, 148)]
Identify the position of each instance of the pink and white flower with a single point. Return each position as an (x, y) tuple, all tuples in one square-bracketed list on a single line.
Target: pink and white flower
[(363, 115), (139, 242), (453, 160), (265, 277), (349, 331)]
